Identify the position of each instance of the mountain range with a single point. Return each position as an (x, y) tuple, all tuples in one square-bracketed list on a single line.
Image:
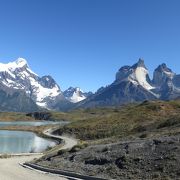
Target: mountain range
[(133, 84), (23, 90)]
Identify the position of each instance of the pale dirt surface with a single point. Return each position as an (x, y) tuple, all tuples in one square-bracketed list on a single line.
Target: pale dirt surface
[(69, 142), (11, 170)]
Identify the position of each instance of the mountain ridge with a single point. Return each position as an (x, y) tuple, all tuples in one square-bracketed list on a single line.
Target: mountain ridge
[(133, 84), (41, 92)]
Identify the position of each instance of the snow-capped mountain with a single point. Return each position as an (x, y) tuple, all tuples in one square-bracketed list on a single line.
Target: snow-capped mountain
[(17, 75), (75, 95), (132, 84), (23, 90)]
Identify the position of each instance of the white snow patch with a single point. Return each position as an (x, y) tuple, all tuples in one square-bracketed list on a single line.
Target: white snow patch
[(20, 62), (42, 104), (76, 97), (6, 83), (140, 74), (12, 66), (42, 92), (169, 74), (133, 81)]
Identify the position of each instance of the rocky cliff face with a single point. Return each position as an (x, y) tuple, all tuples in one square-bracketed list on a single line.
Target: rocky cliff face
[(15, 100), (161, 74)]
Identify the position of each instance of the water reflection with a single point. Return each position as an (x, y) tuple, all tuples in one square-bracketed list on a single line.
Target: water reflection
[(31, 123), (22, 142)]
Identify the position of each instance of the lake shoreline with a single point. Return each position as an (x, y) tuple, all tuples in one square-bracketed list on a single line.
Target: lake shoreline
[(38, 131)]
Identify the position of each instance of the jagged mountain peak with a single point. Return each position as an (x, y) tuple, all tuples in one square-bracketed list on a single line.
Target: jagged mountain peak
[(137, 74), (48, 82), (21, 62), (12, 66), (125, 68), (163, 67), (133, 84), (140, 63), (76, 89), (75, 94), (17, 75), (161, 74)]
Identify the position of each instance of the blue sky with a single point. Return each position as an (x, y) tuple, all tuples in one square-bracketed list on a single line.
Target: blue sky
[(84, 42)]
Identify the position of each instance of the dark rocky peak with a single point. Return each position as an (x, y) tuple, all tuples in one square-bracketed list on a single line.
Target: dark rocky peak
[(125, 68), (123, 73), (100, 90), (87, 94), (69, 92), (70, 88), (163, 68), (140, 63), (47, 82), (162, 74)]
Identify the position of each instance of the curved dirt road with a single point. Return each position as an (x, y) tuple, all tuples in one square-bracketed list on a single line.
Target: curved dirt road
[(11, 170), (68, 142)]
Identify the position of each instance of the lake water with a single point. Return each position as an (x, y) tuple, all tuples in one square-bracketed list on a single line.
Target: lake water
[(22, 142), (31, 123)]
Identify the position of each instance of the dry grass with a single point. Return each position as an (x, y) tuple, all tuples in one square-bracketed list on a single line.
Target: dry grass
[(14, 116), (145, 119), (142, 120)]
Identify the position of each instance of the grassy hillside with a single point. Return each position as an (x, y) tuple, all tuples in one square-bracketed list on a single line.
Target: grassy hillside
[(14, 116), (143, 120), (20, 116), (146, 142), (135, 120)]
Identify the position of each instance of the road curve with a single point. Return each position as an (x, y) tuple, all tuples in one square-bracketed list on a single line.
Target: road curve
[(11, 170), (69, 142)]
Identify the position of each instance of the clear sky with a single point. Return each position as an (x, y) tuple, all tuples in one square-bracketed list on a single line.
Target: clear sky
[(84, 42)]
